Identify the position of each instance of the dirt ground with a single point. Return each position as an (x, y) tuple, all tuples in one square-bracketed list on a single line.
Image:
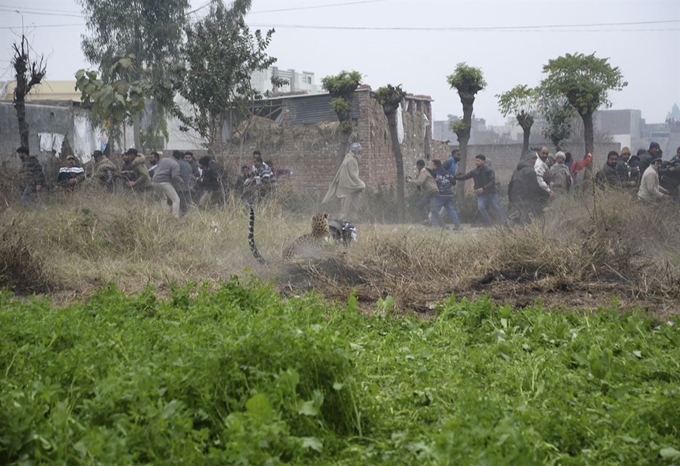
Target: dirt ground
[(337, 277)]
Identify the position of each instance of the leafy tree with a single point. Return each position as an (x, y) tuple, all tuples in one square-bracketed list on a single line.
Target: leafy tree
[(559, 115), (341, 88), (390, 97), (521, 102), (468, 81), (221, 55), (149, 30), (585, 82), (28, 75), (116, 100)]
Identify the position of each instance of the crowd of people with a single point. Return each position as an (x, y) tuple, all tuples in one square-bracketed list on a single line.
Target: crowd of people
[(179, 179), (184, 182), (541, 177)]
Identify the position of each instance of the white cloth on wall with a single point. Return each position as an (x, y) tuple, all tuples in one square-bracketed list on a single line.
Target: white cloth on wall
[(57, 142), (51, 142), (46, 142), (84, 139), (400, 125)]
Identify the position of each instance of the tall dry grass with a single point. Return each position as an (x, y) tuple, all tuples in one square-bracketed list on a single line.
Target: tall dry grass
[(83, 240), (607, 245), (86, 239)]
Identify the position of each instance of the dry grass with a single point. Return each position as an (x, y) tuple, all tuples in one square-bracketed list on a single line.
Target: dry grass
[(598, 247)]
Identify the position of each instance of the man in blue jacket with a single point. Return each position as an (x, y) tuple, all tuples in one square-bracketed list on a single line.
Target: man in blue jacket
[(445, 183)]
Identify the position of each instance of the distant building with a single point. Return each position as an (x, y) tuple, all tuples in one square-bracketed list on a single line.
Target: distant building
[(298, 81), (47, 90), (479, 133), (623, 126)]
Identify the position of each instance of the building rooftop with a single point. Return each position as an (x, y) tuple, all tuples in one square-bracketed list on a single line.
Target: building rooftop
[(48, 90)]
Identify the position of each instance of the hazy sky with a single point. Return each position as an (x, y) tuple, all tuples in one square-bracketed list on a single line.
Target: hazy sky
[(510, 40)]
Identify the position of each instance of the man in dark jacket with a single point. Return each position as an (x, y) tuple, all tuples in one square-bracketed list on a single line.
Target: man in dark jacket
[(70, 176), (32, 174), (526, 196), (669, 176), (135, 175), (654, 152), (485, 187), (211, 181), (608, 176)]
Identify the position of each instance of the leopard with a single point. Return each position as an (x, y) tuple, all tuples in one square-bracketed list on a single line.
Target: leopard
[(320, 234)]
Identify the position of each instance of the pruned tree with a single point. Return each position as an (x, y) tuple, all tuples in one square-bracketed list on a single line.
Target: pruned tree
[(468, 81), (521, 102), (149, 30), (115, 100), (341, 87), (585, 82), (221, 54), (559, 114), (29, 73), (390, 97)]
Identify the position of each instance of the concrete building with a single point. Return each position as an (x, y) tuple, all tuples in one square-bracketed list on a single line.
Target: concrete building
[(623, 126), (479, 132), (298, 81), (54, 115)]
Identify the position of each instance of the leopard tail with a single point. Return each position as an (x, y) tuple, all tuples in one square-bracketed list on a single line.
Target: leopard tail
[(251, 237)]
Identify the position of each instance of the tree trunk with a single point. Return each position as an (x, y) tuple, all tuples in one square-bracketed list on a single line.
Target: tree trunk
[(136, 131), (525, 142), (590, 143), (525, 122), (20, 107), (344, 145), (20, 91), (399, 159), (463, 142)]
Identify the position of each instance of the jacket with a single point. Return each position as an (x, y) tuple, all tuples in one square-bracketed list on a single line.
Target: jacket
[(105, 171), (185, 172), (211, 180), (542, 172), (444, 182), (346, 180), (561, 178), (523, 186), (578, 166), (646, 161), (32, 173), (670, 179), (142, 180), (649, 186), (167, 171), (608, 176), (426, 182), (483, 178)]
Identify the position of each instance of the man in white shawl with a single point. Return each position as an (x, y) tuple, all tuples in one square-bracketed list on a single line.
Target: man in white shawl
[(346, 185)]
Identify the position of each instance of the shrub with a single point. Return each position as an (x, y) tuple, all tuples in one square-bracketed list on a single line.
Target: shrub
[(22, 269)]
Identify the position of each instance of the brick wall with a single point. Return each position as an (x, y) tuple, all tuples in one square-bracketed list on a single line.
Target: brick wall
[(311, 151)]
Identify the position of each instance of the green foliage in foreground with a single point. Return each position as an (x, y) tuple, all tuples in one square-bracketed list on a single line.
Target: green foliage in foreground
[(240, 375)]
